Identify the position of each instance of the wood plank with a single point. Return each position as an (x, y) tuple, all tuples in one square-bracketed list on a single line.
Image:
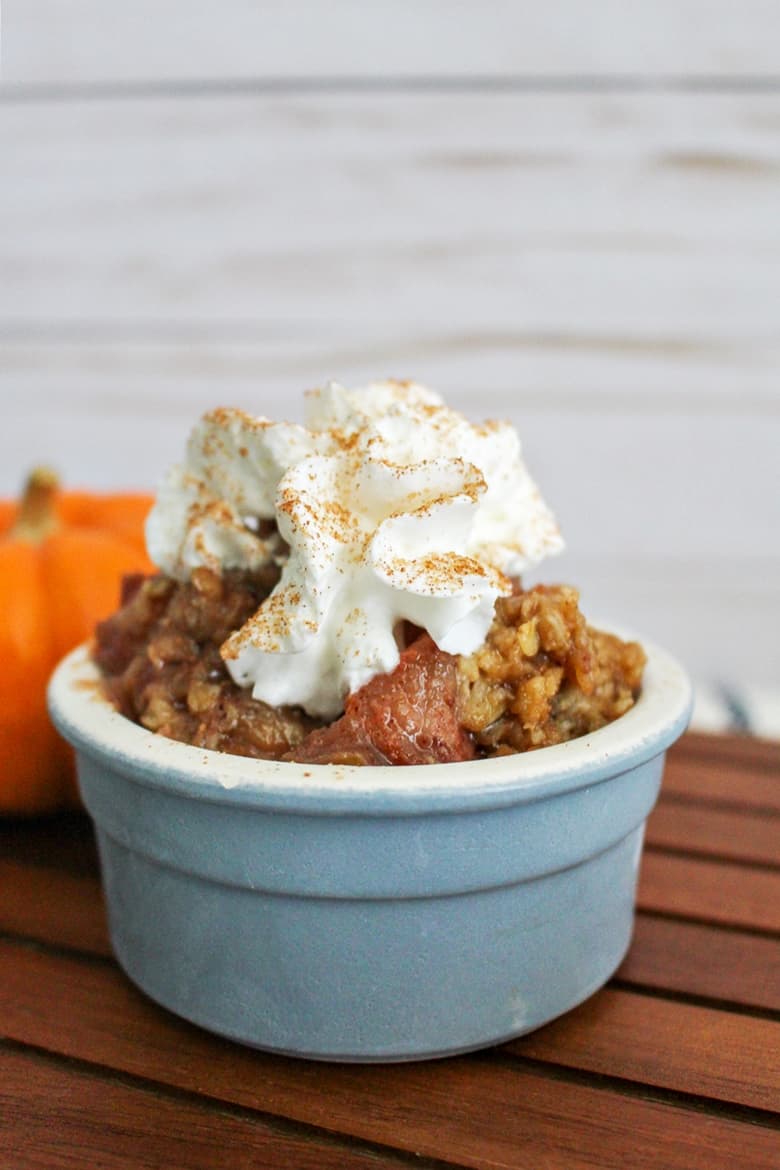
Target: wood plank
[(704, 961), (736, 836), (55, 1117), (672, 1045), (159, 225), (175, 366), (507, 1115), (294, 40), (733, 895), (53, 906), (725, 782), (742, 750)]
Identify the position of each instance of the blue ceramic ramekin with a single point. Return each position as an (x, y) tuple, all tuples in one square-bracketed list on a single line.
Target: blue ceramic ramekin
[(375, 913)]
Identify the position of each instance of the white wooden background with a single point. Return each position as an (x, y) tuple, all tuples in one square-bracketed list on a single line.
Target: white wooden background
[(564, 214)]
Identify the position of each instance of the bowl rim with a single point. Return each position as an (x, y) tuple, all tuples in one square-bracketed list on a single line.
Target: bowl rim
[(87, 719)]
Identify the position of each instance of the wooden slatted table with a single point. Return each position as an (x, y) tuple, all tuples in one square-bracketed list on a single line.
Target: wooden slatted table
[(674, 1065)]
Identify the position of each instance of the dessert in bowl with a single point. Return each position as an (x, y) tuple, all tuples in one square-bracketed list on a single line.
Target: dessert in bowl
[(358, 794)]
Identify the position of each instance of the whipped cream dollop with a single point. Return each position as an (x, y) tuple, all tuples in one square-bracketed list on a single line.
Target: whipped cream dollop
[(386, 506)]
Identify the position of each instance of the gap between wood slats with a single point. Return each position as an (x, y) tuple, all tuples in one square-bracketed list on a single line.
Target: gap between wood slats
[(750, 803), (13, 93), (58, 1115), (407, 1105), (693, 853), (682, 997)]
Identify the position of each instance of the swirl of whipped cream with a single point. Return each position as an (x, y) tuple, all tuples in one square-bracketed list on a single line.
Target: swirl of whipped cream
[(388, 506)]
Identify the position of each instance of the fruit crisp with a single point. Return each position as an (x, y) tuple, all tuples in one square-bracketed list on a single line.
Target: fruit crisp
[(542, 676)]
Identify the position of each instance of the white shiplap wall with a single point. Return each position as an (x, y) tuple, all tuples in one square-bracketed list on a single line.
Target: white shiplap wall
[(571, 222), (49, 42)]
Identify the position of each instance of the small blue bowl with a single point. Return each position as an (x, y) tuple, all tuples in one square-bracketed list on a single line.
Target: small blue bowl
[(369, 914)]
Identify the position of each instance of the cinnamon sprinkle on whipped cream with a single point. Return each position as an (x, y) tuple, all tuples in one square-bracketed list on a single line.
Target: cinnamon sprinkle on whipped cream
[(386, 506)]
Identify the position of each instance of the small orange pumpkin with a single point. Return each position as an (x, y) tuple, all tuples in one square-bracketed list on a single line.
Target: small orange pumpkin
[(62, 557)]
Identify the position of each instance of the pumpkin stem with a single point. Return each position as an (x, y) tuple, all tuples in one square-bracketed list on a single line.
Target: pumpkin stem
[(35, 519)]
